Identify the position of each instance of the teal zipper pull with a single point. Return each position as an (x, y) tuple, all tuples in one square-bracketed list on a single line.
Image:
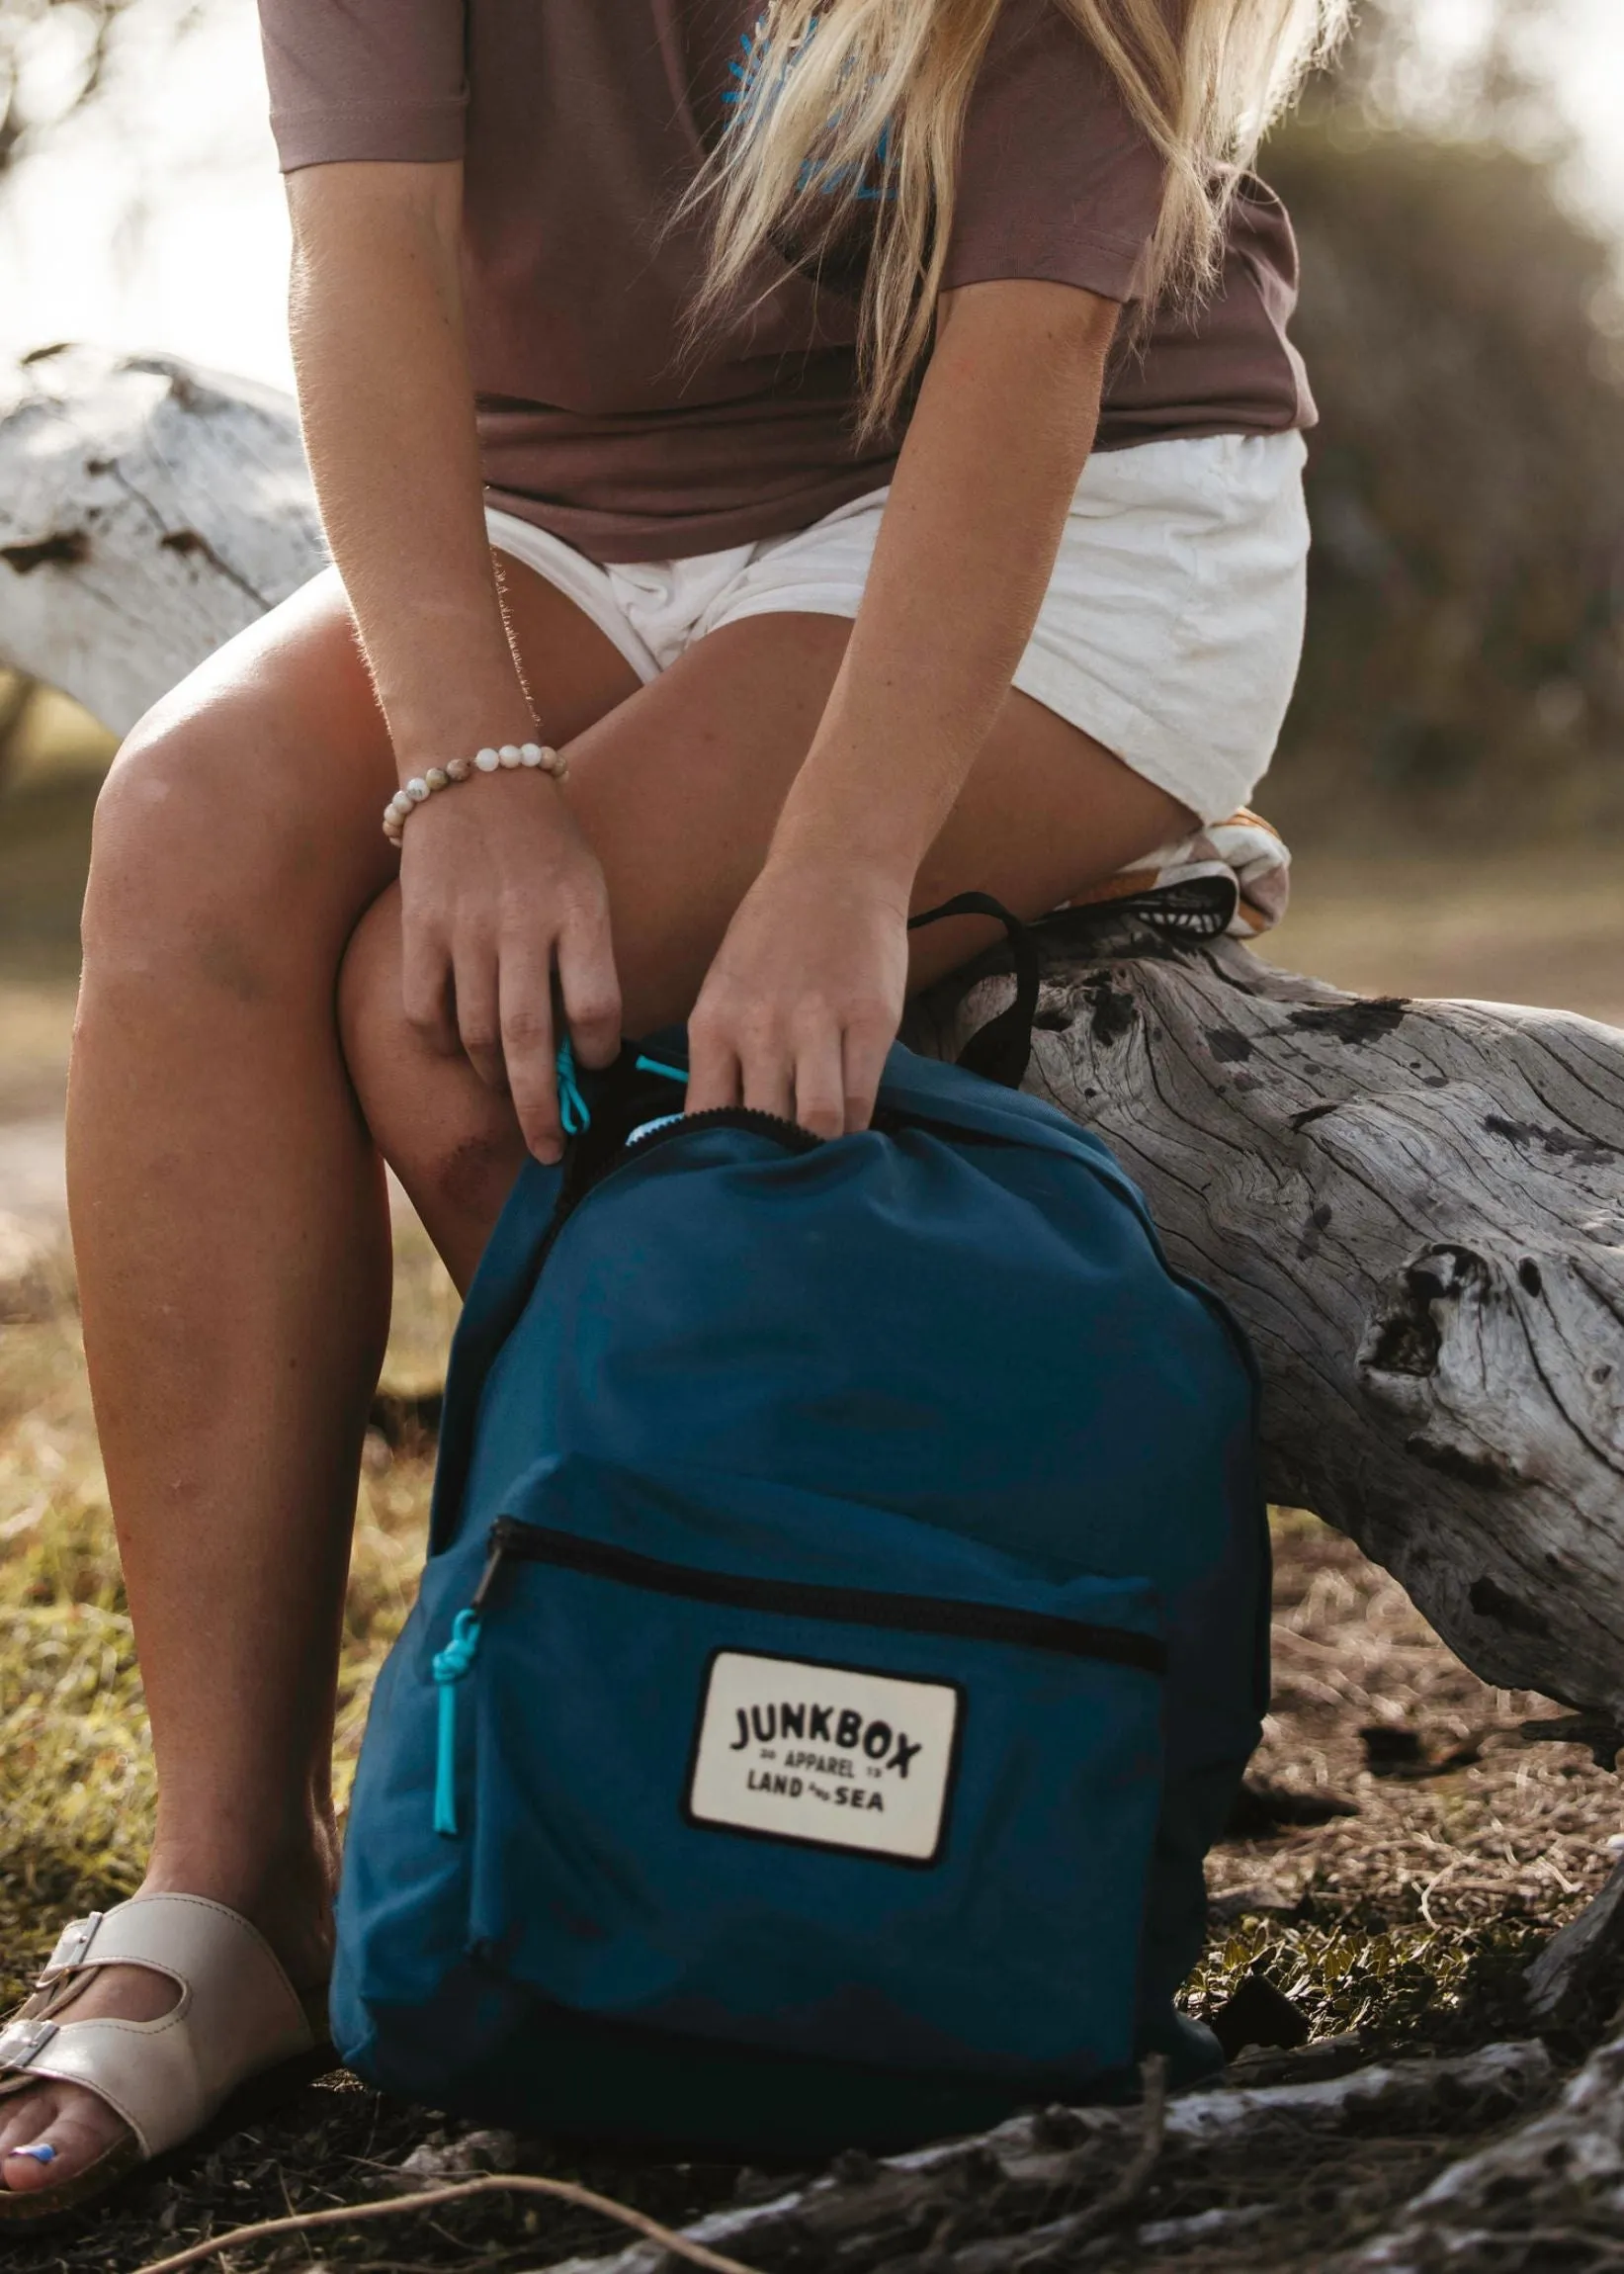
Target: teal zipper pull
[(448, 1667), (574, 1111)]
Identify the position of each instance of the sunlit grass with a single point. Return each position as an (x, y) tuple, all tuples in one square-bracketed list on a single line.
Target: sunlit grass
[(1393, 1984), (75, 1758)]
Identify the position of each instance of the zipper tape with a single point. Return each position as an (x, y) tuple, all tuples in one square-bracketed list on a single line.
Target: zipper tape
[(845, 1605)]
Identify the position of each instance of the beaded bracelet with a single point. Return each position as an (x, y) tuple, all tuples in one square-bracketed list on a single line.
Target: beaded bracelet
[(422, 787)]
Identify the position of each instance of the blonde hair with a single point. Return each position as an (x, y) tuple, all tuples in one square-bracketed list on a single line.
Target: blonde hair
[(858, 105)]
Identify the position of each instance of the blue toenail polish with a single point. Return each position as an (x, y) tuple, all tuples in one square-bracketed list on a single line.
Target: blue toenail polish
[(44, 2152)]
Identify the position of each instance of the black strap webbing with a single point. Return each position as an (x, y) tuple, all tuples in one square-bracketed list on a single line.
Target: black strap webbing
[(1003, 1049)]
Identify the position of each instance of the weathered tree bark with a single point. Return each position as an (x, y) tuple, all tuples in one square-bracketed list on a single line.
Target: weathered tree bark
[(1565, 1981), (1549, 2194), (148, 510), (1416, 1208)]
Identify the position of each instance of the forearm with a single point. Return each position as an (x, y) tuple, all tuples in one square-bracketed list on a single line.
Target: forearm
[(388, 409), (1004, 422)]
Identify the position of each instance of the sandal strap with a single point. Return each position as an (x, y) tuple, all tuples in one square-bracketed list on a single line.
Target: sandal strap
[(237, 2014)]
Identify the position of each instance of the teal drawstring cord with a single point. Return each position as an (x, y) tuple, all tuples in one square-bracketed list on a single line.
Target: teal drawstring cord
[(573, 1110), (448, 1667)]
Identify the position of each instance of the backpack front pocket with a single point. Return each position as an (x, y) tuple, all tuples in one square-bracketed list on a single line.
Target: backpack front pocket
[(905, 1824)]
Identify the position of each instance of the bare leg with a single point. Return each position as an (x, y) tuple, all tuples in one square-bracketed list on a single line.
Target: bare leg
[(678, 790), (232, 1243)]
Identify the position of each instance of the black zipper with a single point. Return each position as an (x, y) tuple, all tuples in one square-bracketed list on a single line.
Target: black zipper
[(849, 1606), (789, 1134)]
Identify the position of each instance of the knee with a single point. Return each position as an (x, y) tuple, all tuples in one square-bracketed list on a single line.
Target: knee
[(201, 863), (455, 1144), (389, 1064), (372, 1018), (177, 824)]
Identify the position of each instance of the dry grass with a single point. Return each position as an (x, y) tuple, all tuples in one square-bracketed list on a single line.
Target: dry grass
[(78, 1770), (1409, 1920)]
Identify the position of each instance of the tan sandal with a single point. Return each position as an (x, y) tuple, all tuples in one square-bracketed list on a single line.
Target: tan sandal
[(238, 2022)]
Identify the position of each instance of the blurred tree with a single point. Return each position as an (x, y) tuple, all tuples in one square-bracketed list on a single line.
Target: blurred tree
[(1465, 663), (63, 43)]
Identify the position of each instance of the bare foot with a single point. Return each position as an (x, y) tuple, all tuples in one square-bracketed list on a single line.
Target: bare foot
[(76, 2126)]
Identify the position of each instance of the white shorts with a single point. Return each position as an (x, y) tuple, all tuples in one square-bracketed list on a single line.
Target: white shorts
[(1170, 632)]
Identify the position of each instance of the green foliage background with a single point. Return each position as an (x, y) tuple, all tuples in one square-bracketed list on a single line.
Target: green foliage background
[(1463, 335)]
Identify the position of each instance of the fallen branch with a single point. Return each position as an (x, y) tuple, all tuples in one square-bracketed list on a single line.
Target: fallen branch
[(983, 2205), (1153, 2133), (491, 2183), (1025, 2251)]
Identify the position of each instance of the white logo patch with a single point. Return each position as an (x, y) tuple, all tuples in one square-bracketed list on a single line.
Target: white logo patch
[(829, 1755)]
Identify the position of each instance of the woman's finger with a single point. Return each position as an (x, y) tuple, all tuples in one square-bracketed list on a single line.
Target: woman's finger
[(590, 988), (478, 1013), (866, 1045), (766, 1064), (528, 1037), (713, 1066), (425, 987), (819, 1083)]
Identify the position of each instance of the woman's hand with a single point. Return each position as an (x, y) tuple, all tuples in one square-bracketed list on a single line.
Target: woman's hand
[(803, 998), (806, 994), (499, 889)]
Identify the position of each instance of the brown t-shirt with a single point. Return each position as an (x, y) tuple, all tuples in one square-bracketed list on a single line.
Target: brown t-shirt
[(602, 416)]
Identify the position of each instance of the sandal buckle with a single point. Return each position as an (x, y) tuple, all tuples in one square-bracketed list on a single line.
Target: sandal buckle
[(72, 1946), (21, 2041)]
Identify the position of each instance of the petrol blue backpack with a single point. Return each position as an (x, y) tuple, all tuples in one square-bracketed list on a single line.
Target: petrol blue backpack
[(842, 1636)]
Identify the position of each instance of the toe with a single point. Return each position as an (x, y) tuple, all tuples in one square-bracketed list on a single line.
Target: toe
[(24, 2168), (30, 2156), (24, 2120), (58, 2140)]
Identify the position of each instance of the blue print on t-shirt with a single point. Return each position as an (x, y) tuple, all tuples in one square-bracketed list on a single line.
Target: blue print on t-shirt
[(746, 90)]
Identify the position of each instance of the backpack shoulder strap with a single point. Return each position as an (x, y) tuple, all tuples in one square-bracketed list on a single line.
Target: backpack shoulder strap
[(1003, 1049)]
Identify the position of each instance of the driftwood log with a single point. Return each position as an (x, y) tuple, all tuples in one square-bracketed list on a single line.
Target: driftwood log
[(1034, 2192), (1416, 1208), (148, 511)]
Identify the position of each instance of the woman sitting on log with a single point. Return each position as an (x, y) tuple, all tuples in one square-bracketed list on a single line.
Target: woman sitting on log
[(784, 464)]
